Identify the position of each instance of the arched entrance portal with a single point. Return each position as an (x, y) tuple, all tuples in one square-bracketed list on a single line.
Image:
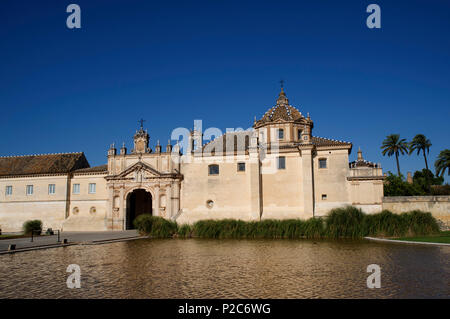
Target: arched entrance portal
[(138, 202)]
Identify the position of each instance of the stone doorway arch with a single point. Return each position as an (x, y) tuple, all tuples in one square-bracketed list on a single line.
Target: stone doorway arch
[(139, 202)]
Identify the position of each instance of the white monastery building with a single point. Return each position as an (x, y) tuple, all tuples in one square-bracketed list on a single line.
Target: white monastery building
[(277, 170)]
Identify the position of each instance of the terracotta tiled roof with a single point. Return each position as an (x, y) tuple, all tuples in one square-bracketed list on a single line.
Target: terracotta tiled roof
[(284, 112), (281, 111), (321, 141), (95, 169), (42, 164)]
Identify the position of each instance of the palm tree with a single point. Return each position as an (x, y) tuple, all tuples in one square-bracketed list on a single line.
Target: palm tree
[(420, 143), (394, 145), (442, 163)]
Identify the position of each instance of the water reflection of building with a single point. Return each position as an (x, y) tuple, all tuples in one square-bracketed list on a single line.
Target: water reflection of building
[(278, 170)]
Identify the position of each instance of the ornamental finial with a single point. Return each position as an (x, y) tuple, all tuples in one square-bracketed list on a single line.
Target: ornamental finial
[(141, 121)]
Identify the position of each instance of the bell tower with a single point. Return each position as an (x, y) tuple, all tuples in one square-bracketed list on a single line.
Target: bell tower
[(141, 140)]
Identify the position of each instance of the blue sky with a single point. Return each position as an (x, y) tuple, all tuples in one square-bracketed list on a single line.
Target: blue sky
[(171, 62)]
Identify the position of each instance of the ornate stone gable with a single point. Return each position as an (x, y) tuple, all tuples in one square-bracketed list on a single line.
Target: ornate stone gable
[(140, 172), (137, 172)]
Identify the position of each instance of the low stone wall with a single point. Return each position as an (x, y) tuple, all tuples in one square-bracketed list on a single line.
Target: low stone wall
[(438, 206)]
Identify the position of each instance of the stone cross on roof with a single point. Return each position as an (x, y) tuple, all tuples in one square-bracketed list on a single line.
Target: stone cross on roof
[(142, 123)]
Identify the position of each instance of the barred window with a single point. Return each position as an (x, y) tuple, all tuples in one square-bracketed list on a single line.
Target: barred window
[(213, 169), (281, 162), (322, 163)]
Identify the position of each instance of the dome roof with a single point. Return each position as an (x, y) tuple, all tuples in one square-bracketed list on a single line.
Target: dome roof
[(281, 111)]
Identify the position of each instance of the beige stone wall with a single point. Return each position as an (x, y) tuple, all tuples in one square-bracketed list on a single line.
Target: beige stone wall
[(282, 188), (87, 211), (230, 190), (438, 206), (19, 207), (331, 189), (366, 194), (285, 193)]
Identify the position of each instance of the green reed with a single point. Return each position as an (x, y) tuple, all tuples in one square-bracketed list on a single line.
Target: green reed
[(345, 222)]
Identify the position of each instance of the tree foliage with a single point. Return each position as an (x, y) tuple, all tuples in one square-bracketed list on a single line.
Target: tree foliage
[(443, 163), (420, 143), (394, 145)]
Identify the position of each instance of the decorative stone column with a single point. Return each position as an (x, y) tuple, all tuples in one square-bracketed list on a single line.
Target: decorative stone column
[(110, 209), (176, 197), (157, 204), (169, 211), (122, 212)]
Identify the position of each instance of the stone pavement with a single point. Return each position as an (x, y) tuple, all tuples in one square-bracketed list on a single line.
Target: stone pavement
[(72, 237)]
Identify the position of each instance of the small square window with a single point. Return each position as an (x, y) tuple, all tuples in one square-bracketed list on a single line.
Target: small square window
[(241, 167), (281, 162), (51, 188), (280, 134), (29, 189), (92, 188), (8, 190), (324, 196), (213, 169), (76, 188), (322, 163)]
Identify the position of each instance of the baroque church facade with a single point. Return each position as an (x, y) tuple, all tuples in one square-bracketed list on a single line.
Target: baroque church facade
[(277, 170)]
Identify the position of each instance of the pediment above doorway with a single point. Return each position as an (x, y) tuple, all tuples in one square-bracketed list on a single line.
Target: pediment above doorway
[(137, 172)]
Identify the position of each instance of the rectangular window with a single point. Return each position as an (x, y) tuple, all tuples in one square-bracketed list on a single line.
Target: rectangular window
[(280, 134), (29, 189), (92, 188), (213, 169), (76, 188), (51, 188), (241, 167), (8, 190), (281, 162), (324, 196), (299, 135), (322, 163)]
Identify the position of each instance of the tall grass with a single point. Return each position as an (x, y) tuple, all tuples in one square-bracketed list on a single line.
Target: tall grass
[(345, 222), (155, 227), (184, 231), (269, 228), (385, 224), (420, 223)]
